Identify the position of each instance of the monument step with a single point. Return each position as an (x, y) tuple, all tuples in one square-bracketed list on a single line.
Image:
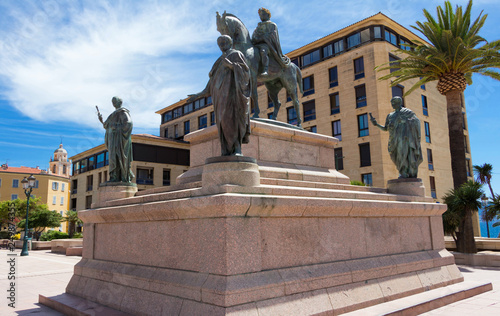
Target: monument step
[(76, 306), (426, 301)]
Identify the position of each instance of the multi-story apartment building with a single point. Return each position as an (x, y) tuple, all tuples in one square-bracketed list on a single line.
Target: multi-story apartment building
[(51, 187), (157, 161), (341, 89)]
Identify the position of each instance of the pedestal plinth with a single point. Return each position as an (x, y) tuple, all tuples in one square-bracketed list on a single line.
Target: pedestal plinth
[(109, 191), (406, 186), (303, 242), (234, 170)]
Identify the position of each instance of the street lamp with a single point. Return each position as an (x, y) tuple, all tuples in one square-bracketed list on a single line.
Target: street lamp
[(484, 200), (28, 185)]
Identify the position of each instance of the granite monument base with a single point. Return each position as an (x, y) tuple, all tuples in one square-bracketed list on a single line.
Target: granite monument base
[(109, 191), (277, 246), (406, 186)]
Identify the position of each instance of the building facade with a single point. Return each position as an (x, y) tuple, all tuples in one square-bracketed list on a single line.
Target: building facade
[(157, 161), (341, 90), (52, 189)]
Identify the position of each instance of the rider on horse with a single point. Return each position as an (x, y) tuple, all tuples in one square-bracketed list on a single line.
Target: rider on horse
[(266, 38)]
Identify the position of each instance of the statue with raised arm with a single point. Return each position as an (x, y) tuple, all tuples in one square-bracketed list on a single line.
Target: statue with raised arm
[(404, 138), (266, 38), (230, 88), (118, 141)]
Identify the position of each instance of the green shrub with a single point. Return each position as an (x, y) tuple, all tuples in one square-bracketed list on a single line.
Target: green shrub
[(356, 182), (53, 234), (78, 235)]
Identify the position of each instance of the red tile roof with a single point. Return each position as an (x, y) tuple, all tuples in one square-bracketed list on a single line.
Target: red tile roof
[(22, 169)]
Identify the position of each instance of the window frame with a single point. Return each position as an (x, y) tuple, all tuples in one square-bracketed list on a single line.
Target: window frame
[(360, 101), (339, 129), (361, 128), (368, 160), (311, 115), (359, 63)]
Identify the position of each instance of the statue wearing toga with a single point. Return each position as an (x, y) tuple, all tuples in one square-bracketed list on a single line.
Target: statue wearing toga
[(404, 138), (118, 141)]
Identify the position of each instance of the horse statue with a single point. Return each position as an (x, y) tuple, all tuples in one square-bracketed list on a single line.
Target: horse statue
[(278, 77)]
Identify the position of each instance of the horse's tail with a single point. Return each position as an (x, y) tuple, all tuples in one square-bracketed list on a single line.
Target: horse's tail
[(298, 75)]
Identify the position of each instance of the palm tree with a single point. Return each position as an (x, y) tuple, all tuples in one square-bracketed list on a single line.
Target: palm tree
[(462, 202), (451, 60), (492, 210), (483, 175), (72, 219)]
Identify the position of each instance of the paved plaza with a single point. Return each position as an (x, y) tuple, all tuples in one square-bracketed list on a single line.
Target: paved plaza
[(43, 272)]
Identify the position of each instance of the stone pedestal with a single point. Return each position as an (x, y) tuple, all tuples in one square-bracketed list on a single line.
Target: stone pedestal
[(234, 170), (109, 191), (301, 243), (406, 186)]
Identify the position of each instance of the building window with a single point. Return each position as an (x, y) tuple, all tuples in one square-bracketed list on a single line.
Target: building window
[(64, 169), (54, 200), (425, 109), (209, 100), (202, 121), (177, 112), (360, 96), (403, 43), (187, 127), (188, 108), (90, 182), (334, 103), (212, 118), (54, 169), (74, 186), (100, 160), (433, 187), (364, 155), (145, 176), (465, 145), (358, 38), (91, 165), (334, 77), (291, 115), (198, 104), (165, 132), (270, 103), (429, 159), (312, 129), (363, 125), (176, 131), (359, 68), (13, 197), (166, 177), (339, 158), (62, 187), (338, 47), (398, 91), (391, 38), (105, 176), (73, 205), (427, 132), (311, 58), (88, 201), (464, 126), (467, 161), (308, 84), (366, 178), (394, 61), (337, 130), (83, 165), (167, 116), (377, 33), (15, 183), (327, 51), (309, 110), (62, 200), (55, 186), (99, 178)]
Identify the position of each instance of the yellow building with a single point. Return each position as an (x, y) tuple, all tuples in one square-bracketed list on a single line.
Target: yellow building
[(341, 89), (52, 189), (157, 162)]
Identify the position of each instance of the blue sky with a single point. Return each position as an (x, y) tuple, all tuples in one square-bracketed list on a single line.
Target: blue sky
[(58, 59)]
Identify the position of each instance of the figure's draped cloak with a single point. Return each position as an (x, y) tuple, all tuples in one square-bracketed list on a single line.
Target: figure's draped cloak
[(404, 141), (119, 144), (230, 90), (267, 32)]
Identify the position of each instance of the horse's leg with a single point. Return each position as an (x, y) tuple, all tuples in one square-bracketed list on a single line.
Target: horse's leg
[(290, 83), (255, 96), (274, 87)]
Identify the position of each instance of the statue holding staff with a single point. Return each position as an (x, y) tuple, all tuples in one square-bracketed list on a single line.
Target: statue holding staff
[(118, 141), (404, 138)]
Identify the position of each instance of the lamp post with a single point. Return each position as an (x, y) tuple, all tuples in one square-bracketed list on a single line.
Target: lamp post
[(484, 200), (28, 185)]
